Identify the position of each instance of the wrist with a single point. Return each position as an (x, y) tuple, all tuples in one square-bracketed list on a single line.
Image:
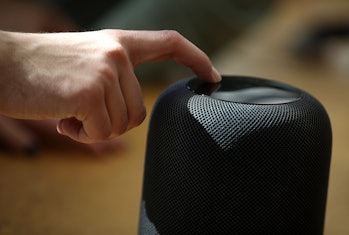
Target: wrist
[(11, 71), (6, 46)]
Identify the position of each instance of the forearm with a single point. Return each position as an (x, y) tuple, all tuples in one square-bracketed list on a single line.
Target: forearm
[(6, 49), (29, 64), (8, 68), (19, 82)]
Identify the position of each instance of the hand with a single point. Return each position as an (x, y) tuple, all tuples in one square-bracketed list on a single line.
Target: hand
[(87, 79), (16, 136), (28, 136)]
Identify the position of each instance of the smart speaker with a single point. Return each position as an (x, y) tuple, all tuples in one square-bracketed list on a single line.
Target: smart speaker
[(243, 156)]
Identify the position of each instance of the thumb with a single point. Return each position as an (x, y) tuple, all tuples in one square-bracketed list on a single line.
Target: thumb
[(70, 127)]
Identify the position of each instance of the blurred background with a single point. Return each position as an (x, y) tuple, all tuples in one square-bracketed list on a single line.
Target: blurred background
[(50, 185)]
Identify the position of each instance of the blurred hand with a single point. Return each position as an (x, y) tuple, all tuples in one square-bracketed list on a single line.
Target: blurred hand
[(28, 136), (87, 79), (16, 136)]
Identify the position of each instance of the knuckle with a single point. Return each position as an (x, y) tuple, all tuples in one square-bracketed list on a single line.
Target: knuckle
[(172, 37), (107, 74), (121, 126), (83, 100), (118, 52), (113, 33), (111, 48), (115, 52), (138, 118), (102, 135)]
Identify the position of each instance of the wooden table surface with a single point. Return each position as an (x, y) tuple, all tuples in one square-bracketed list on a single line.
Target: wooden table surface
[(66, 191), (69, 191)]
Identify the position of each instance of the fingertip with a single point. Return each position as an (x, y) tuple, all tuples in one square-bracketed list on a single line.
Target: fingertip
[(216, 76), (212, 76)]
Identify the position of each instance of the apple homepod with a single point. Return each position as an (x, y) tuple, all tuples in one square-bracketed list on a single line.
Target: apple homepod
[(244, 156)]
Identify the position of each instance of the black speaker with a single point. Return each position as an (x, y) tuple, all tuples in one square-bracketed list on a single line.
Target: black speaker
[(244, 156)]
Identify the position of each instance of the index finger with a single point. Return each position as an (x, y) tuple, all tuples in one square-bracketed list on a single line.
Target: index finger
[(151, 46)]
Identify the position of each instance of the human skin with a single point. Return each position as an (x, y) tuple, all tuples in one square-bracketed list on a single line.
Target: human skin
[(86, 79)]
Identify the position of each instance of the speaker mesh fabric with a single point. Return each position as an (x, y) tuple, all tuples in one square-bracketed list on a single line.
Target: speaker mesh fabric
[(219, 167)]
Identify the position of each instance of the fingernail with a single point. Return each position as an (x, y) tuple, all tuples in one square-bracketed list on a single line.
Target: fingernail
[(216, 75)]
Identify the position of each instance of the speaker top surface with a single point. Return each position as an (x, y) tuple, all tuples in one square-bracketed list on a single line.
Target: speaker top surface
[(249, 90)]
